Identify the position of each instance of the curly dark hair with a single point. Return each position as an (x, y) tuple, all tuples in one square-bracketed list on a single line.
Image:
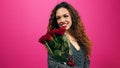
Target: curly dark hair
[(77, 29)]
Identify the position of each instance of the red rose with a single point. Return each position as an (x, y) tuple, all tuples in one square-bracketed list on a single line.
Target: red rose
[(70, 63), (44, 38), (51, 37), (59, 31)]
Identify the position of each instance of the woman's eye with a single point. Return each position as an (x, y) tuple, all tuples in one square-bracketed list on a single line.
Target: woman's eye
[(57, 18), (66, 16)]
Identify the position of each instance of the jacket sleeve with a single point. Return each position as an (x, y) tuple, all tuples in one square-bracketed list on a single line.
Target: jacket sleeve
[(52, 63), (87, 64)]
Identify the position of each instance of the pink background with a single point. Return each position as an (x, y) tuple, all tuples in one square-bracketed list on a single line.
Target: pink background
[(22, 22)]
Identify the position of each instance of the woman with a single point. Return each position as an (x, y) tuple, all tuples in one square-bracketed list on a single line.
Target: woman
[(64, 15)]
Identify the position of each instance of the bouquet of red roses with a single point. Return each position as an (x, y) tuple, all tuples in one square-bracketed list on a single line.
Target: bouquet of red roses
[(57, 44)]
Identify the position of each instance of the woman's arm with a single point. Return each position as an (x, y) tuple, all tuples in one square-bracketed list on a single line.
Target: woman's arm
[(87, 64), (52, 63)]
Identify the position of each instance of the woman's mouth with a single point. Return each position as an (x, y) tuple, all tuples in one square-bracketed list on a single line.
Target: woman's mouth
[(63, 24)]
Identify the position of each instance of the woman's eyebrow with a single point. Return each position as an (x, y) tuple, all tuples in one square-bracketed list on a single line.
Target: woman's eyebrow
[(66, 13), (63, 14)]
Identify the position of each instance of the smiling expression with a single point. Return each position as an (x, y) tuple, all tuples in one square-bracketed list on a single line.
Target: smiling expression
[(63, 18)]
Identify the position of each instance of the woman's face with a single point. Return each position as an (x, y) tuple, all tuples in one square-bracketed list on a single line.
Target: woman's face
[(63, 18)]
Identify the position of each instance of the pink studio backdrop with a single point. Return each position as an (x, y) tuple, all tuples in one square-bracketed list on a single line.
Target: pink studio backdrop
[(22, 22)]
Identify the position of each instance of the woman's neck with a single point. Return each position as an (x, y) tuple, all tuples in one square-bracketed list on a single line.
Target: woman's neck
[(69, 37), (72, 41)]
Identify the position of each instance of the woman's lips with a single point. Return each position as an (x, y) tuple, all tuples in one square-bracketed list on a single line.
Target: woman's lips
[(64, 24)]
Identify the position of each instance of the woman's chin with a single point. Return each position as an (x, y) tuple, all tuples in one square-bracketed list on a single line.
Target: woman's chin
[(66, 28)]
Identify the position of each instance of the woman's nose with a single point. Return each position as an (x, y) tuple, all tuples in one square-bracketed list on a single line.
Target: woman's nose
[(62, 19)]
